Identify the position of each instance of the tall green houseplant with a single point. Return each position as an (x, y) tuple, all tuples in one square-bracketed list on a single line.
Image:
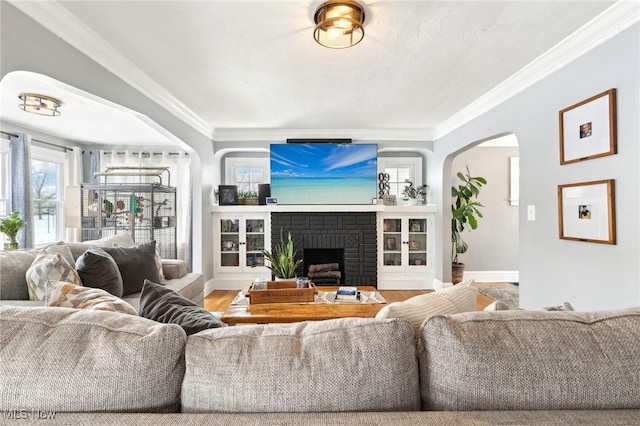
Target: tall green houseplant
[(465, 212), (282, 261)]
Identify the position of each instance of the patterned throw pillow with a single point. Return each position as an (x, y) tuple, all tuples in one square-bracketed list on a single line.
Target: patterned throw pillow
[(450, 300), (69, 295), (45, 267)]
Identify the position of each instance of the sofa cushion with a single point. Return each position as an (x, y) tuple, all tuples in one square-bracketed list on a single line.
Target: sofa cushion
[(135, 264), (13, 268), (534, 360), (348, 364), (69, 295), (47, 267), (161, 304), (97, 269), (449, 300), (70, 360)]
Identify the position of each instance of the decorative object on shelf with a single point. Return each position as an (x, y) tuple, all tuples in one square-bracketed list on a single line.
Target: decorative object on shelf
[(391, 244), (39, 104), (389, 200), (282, 261), (414, 245), (383, 184), (10, 226), (248, 197), (587, 212), (228, 195), (465, 212), (339, 24), (588, 128), (411, 193)]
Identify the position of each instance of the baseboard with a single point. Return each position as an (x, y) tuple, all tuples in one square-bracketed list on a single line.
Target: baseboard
[(493, 276)]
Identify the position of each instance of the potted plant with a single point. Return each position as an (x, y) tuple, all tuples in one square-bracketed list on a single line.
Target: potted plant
[(282, 261), (247, 197), (465, 212), (10, 226), (411, 193)]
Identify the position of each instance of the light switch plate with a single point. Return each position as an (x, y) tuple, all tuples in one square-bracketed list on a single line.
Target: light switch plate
[(531, 212)]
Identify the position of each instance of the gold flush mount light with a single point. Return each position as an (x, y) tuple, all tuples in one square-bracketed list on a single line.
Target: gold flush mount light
[(339, 24), (39, 104)]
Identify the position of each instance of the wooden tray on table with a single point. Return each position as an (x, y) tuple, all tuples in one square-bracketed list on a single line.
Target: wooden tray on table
[(282, 292)]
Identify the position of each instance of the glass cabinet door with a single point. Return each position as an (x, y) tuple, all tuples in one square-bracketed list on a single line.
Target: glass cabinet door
[(417, 242), (254, 233), (392, 242), (229, 242)]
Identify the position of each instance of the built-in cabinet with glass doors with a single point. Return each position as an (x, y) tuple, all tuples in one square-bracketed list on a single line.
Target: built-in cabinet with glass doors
[(239, 241), (405, 250)]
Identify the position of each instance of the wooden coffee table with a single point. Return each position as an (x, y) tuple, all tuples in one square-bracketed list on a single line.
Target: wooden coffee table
[(293, 312)]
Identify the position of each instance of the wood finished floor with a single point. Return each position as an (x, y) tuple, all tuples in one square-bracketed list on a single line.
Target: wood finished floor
[(219, 300)]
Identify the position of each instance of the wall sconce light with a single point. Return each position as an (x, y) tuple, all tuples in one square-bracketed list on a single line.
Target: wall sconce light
[(339, 24), (39, 104)]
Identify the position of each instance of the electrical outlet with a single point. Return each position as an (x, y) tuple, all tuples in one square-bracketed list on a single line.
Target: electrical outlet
[(531, 213)]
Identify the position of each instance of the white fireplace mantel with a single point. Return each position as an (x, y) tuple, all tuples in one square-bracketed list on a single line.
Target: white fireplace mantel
[(279, 208)]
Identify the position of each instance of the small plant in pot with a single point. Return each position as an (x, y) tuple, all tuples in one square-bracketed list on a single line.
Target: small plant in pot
[(411, 193), (465, 212), (10, 226), (247, 197), (282, 261)]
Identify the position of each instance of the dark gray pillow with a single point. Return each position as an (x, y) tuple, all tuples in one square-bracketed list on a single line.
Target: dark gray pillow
[(136, 264), (97, 269), (164, 305)]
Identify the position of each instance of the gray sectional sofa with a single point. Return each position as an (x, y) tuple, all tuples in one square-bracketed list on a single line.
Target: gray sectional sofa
[(478, 368), (14, 266)]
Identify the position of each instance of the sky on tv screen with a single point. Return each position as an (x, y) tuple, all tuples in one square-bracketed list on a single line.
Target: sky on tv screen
[(324, 173)]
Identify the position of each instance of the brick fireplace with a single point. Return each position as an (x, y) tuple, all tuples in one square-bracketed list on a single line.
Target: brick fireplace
[(353, 232)]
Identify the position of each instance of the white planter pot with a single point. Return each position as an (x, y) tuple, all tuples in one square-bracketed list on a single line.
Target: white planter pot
[(406, 201)]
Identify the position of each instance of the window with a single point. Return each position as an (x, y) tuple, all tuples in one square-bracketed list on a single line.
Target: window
[(246, 173), (399, 170), (47, 182)]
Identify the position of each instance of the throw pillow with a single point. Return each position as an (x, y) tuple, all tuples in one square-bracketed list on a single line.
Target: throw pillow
[(158, 259), (566, 306), (97, 269), (62, 248), (123, 239), (45, 267), (69, 295), (135, 264), (164, 305), (450, 300)]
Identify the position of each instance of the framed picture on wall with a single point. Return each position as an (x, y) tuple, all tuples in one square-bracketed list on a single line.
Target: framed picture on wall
[(588, 128), (228, 195), (586, 211)]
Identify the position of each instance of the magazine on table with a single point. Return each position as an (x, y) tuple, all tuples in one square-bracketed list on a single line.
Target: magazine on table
[(347, 295)]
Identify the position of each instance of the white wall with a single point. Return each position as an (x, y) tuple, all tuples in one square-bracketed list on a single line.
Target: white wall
[(493, 246), (27, 46), (590, 276)]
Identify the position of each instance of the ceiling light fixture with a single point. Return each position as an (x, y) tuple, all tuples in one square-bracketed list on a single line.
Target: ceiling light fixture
[(339, 24), (39, 104)]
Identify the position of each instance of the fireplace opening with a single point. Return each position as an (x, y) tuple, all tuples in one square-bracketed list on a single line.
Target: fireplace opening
[(324, 266)]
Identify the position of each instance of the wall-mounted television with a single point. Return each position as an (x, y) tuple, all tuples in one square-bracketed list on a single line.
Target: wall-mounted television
[(324, 173)]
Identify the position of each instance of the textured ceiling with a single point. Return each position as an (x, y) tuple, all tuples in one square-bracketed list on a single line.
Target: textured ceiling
[(240, 65)]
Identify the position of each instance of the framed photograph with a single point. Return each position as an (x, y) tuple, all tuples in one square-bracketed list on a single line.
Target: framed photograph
[(228, 195), (588, 128), (586, 211)]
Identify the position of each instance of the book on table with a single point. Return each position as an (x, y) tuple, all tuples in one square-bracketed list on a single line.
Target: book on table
[(347, 295)]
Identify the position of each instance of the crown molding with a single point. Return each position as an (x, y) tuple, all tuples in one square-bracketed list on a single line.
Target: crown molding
[(271, 135), (603, 27), (55, 18)]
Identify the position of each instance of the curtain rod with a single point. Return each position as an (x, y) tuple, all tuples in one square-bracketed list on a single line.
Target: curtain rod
[(150, 153), (66, 148)]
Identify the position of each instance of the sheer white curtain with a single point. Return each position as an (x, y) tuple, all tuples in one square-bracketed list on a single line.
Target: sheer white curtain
[(73, 180), (179, 165)]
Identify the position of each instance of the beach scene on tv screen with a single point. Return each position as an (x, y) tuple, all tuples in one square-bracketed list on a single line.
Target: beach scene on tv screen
[(324, 173)]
